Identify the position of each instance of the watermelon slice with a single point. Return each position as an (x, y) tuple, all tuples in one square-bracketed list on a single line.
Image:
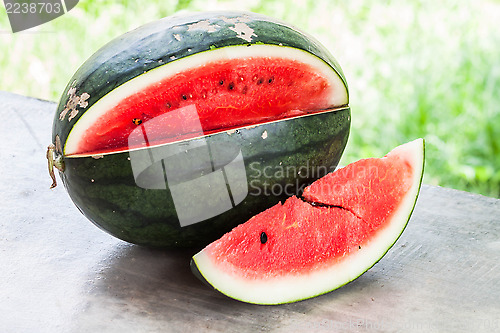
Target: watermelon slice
[(344, 223)]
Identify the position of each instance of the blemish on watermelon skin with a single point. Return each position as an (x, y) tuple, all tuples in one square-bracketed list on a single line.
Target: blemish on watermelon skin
[(203, 25), (243, 31), (234, 20), (73, 102), (58, 145)]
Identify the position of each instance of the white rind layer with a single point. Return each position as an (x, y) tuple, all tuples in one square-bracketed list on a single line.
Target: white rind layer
[(291, 288), (141, 82)]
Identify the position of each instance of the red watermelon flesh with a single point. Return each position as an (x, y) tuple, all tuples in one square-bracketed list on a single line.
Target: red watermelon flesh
[(310, 239), (344, 224), (358, 186), (223, 94)]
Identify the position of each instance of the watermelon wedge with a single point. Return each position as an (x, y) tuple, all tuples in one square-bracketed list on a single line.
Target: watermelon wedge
[(343, 224)]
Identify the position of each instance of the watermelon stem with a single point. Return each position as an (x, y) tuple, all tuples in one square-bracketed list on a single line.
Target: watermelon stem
[(54, 161)]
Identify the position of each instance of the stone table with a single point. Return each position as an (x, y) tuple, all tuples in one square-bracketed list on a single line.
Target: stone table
[(59, 273)]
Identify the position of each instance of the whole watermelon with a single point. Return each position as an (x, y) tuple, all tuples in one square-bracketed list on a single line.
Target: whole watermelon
[(174, 133)]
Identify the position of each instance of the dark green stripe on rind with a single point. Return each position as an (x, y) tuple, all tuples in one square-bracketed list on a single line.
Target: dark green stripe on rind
[(281, 157), (156, 44)]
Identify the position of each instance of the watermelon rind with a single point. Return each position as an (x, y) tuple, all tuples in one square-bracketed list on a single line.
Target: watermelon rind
[(296, 287)]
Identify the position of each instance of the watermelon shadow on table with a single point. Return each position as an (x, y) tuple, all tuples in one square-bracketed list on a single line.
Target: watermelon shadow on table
[(140, 280), (141, 283)]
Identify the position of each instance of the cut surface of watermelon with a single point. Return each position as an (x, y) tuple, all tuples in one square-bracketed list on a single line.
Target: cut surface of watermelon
[(228, 88), (345, 222)]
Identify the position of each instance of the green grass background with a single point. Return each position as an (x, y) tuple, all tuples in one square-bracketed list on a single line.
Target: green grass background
[(424, 68)]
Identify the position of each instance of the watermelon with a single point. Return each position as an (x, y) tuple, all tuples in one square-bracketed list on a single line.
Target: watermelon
[(307, 246), (174, 133)]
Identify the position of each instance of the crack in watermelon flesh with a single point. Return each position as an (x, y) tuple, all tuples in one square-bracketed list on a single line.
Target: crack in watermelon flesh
[(224, 95), (309, 240), (343, 224), (367, 179)]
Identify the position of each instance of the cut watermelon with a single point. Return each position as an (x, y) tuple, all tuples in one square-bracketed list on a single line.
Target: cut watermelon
[(179, 103), (345, 222), (229, 88)]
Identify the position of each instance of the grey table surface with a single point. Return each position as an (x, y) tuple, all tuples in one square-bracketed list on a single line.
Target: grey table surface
[(60, 273)]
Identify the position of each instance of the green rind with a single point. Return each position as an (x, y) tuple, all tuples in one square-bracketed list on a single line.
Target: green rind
[(104, 189), (198, 273), (155, 44)]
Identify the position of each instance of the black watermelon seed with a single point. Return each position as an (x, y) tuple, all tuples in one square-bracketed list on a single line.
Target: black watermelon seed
[(231, 86), (263, 237), (221, 82), (260, 81), (271, 79), (184, 97)]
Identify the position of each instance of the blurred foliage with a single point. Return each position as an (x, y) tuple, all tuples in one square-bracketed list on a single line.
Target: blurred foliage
[(415, 69)]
